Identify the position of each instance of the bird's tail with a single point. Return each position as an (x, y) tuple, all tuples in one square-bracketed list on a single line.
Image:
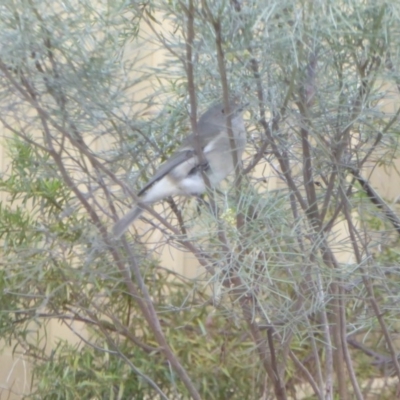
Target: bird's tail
[(123, 224)]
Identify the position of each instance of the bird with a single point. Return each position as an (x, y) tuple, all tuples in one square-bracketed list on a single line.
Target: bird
[(182, 173)]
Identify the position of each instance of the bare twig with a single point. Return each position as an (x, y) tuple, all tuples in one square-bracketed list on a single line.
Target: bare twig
[(377, 200)]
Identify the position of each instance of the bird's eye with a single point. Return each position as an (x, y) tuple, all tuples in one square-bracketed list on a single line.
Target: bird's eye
[(223, 111)]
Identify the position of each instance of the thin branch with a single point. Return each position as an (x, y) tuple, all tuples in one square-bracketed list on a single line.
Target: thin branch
[(154, 322), (370, 291), (377, 200), (346, 353)]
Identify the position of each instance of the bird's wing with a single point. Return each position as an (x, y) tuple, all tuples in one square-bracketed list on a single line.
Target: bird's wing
[(175, 160), (207, 136)]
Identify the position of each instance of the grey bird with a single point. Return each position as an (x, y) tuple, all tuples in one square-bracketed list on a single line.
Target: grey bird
[(181, 174)]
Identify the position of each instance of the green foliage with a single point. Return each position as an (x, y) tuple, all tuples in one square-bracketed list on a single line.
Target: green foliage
[(213, 354), (44, 281)]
